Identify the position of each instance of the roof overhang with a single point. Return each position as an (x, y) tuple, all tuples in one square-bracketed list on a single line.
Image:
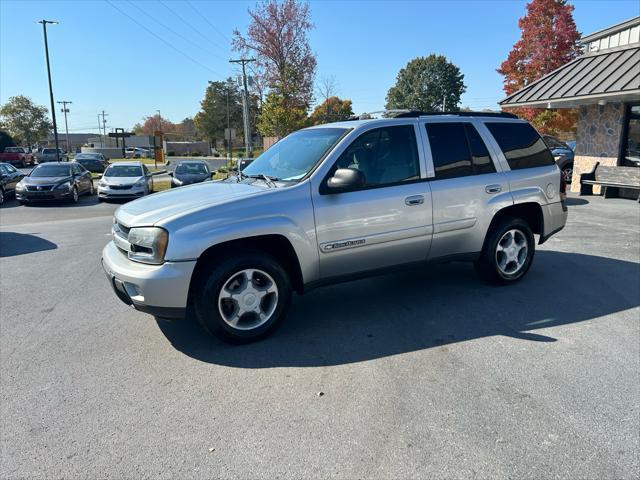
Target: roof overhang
[(609, 75)]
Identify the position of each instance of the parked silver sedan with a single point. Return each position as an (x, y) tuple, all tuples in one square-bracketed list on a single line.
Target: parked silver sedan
[(125, 180)]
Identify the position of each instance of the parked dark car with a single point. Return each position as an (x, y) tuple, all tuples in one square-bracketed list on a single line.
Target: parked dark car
[(94, 162), (563, 154), (55, 181), (9, 178), (189, 172)]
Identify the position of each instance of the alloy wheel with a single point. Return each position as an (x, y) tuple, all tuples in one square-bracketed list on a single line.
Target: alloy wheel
[(567, 173), (248, 299), (511, 252)]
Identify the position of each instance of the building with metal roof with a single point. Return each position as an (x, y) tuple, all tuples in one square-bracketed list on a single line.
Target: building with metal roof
[(604, 84)]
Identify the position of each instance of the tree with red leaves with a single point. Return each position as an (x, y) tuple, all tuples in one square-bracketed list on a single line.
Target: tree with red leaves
[(278, 39), (549, 40)]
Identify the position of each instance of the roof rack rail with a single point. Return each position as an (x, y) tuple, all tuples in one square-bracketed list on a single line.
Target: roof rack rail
[(416, 113)]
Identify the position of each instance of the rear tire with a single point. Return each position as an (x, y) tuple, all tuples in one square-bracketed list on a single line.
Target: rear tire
[(241, 298), (567, 173), (1, 196), (508, 252)]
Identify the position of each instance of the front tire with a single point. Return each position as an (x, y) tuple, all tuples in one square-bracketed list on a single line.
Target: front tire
[(74, 195), (243, 298), (508, 252), (1, 196)]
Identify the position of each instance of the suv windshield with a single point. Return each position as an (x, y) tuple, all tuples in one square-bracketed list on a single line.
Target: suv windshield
[(191, 168), (88, 156), (296, 154), (51, 171), (123, 171)]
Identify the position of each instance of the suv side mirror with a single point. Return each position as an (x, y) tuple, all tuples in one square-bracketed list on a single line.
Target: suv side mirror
[(346, 179)]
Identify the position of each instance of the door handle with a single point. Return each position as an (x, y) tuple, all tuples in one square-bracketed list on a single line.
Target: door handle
[(493, 188), (414, 200)]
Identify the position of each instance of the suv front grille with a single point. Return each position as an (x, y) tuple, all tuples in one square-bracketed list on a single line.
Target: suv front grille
[(39, 188), (123, 229)]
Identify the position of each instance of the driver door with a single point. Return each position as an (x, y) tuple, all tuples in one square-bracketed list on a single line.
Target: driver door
[(386, 222)]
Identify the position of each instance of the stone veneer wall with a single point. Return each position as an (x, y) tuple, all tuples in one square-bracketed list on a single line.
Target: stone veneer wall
[(597, 140)]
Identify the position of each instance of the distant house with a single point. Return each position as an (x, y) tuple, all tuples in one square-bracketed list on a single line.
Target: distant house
[(604, 84)]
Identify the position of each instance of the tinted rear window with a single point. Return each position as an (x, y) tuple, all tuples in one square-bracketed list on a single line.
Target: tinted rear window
[(521, 144), (449, 149)]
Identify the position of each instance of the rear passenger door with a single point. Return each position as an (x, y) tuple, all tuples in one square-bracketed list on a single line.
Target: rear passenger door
[(467, 185)]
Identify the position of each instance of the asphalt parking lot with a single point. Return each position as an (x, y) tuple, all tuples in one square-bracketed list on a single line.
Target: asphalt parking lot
[(429, 374)]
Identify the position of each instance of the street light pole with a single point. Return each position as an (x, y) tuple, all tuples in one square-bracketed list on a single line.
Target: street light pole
[(65, 110), (53, 107)]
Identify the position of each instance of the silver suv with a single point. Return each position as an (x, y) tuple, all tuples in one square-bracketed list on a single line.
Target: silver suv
[(334, 202)]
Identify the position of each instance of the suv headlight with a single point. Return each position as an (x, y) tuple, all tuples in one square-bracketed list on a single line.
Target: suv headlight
[(20, 186), (148, 244), (64, 186), (139, 183)]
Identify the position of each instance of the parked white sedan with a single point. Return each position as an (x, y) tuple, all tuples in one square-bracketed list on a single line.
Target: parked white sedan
[(125, 180)]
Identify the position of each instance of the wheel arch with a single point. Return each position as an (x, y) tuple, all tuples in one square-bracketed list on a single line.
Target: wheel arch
[(276, 245), (531, 212)]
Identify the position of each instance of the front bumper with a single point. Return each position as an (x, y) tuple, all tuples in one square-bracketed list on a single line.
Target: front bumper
[(133, 192), (29, 196), (159, 290)]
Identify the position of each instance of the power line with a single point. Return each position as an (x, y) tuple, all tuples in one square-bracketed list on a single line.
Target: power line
[(207, 20), (190, 25), (161, 39), (179, 35)]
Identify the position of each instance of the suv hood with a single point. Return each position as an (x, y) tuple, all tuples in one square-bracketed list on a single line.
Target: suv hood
[(162, 206)]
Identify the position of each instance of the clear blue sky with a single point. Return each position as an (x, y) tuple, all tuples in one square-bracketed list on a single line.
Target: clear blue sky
[(101, 59)]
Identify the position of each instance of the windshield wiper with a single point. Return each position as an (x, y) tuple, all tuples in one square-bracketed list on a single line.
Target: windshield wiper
[(268, 179)]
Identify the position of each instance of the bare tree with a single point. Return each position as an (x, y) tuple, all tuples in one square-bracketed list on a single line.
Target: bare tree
[(327, 87)]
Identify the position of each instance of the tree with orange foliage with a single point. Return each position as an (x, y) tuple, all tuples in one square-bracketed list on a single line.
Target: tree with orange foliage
[(549, 40)]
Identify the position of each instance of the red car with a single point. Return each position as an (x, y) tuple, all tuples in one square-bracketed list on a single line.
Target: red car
[(17, 156)]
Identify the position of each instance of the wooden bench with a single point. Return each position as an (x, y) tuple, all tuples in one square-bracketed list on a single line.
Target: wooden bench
[(611, 179)]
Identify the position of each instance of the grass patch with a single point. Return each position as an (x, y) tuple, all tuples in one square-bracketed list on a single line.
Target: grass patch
[(146, 161), (160, 185)]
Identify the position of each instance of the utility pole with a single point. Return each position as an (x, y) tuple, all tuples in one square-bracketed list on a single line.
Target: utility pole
[(159, 121), (65, 110), (444, 102), (104, 127), (245, 104), (53, 107), (229, 149)]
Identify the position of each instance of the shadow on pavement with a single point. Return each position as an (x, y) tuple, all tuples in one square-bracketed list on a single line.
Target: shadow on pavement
[(83, 201), (405, 312), (573, 201), (12, 244)]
